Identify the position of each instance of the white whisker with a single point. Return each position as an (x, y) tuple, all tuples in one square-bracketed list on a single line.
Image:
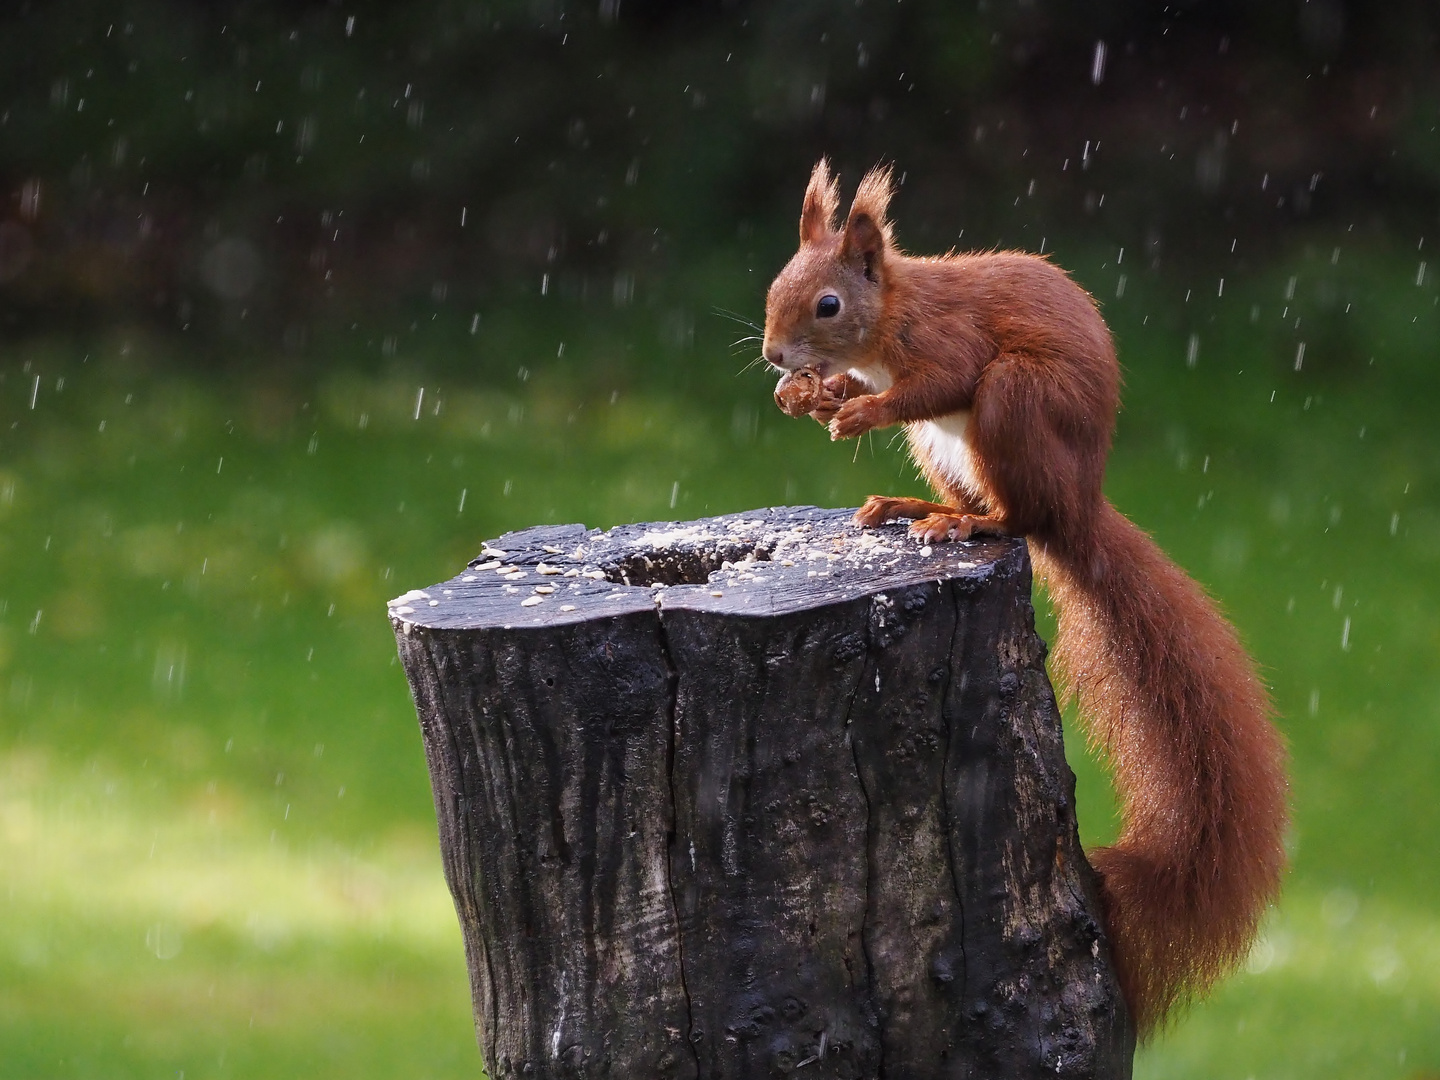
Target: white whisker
[(733, 317)]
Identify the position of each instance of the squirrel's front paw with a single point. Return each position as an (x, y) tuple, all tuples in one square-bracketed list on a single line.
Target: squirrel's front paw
[(857, 416), (832, 396), (828, 406)]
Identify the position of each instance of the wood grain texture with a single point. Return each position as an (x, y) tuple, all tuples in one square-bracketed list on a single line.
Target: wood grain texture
[(759, 795)]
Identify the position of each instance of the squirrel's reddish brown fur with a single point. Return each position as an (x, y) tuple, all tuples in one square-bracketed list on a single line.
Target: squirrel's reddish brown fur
[(1005, 376)]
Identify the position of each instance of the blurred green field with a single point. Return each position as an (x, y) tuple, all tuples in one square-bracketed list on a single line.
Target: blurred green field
[(215, 821)]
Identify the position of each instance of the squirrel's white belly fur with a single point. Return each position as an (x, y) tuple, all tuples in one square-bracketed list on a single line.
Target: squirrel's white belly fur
[(942, 440), (873, 376)]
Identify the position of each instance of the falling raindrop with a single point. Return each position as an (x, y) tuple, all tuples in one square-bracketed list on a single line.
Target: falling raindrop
[(30, 200), (1097, 63), (164, 940)]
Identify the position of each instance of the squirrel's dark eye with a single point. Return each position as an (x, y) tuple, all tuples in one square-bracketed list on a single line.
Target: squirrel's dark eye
[(828, 307)]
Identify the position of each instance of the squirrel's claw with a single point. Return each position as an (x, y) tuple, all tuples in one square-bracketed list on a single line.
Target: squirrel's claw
[(876, 511), (879, 509), (936, 528), (825, 411), (855, 417)]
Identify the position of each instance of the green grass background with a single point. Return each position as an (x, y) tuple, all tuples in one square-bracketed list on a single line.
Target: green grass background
[(215, 824)]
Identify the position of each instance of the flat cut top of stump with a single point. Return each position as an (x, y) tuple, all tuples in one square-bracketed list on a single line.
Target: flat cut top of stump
[(769, 562)]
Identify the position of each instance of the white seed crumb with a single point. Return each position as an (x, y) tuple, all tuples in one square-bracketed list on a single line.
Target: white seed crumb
[(567, 607), (491, 565), (925, 551), (716, 592), (531, 601), (572, 573), (594, 575), (551, 549), (544, 590), (548, 571), (468, 577), (434, 603), (493, 553)]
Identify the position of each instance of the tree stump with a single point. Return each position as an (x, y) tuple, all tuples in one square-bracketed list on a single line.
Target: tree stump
[(758, 795)]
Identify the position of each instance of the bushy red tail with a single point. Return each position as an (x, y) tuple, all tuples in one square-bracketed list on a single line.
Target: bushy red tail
[(1170, 697)]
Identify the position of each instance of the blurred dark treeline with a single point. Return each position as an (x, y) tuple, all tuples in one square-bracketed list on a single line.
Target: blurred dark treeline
[(253, 172)]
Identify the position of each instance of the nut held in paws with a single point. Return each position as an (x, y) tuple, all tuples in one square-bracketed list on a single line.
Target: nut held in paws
[(798, 392)]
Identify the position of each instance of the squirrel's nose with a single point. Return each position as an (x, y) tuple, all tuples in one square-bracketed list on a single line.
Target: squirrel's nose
[(774, 354)]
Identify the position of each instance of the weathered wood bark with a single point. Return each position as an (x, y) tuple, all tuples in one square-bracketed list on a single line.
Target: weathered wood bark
[(755, 795)]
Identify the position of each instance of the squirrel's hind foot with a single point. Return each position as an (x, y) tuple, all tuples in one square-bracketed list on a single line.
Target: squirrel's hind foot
[(879, 509), (935, 528), (936, 521)]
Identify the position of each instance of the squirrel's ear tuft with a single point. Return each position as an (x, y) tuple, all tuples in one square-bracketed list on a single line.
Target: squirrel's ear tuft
[(822, 200), (872, 197), (867, 232)]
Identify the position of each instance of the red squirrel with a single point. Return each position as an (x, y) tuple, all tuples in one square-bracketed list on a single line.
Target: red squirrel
[(1005, 377)]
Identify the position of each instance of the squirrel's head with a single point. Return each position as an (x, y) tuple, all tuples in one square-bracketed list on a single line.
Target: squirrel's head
[(822, 307)]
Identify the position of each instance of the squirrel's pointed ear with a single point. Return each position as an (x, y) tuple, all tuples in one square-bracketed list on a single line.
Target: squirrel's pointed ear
[(864, 243), (822, 200), (867, 233)]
